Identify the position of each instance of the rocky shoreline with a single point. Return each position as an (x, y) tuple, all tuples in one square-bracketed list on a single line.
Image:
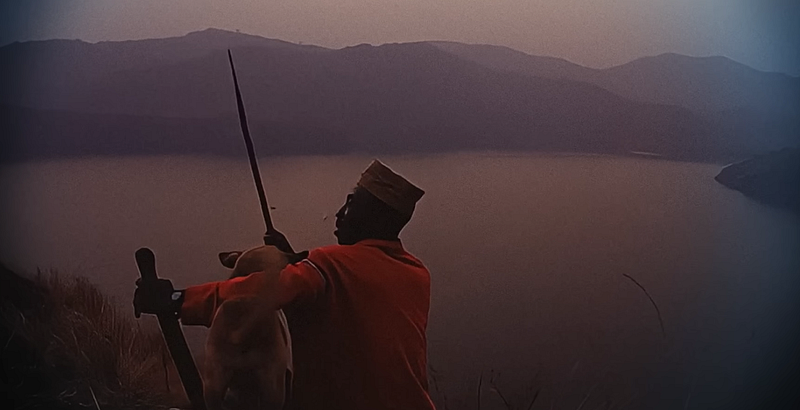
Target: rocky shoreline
[(772, 178)]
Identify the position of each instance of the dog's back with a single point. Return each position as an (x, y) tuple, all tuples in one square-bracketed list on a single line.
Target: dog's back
[(249, 348)]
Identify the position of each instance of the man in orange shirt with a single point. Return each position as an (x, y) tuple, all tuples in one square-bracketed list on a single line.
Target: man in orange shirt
[(357, 311)]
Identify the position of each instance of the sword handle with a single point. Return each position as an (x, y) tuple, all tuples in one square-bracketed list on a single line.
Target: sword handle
[(146, 261), (173, 337)]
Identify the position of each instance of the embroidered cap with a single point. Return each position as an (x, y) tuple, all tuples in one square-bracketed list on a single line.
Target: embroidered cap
[(391, 188)]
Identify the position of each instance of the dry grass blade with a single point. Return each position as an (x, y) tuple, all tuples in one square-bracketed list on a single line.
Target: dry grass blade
[(586, 398), (499, 393), (480, 385), (435, 380), (533, 400), (658, 311), (94, 397)]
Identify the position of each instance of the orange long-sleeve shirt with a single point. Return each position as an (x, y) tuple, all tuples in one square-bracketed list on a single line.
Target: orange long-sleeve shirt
[(358, 316)]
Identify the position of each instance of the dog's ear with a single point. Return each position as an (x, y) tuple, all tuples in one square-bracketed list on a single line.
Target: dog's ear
[(228, 259), (297, 257)]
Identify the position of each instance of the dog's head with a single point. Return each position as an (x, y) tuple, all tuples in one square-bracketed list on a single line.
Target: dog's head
[(261, 258)]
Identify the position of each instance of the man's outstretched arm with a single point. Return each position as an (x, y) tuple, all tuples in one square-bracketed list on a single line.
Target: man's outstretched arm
[(197, 305), (296, 283)]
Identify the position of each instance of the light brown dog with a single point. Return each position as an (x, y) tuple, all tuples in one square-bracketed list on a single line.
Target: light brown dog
[(249, 349)]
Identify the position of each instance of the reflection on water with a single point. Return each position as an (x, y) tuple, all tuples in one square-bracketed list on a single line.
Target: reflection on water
[(527, 255)]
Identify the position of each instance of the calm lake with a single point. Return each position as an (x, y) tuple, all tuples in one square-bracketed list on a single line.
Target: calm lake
[(527, 255)]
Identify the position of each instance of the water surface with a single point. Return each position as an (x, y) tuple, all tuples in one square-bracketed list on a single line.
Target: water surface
[(527, 254)]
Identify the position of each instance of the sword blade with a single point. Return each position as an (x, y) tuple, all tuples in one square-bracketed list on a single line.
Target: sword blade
[(251, 153)]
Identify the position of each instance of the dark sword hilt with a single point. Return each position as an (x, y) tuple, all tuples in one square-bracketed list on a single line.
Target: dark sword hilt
[(173, 336)]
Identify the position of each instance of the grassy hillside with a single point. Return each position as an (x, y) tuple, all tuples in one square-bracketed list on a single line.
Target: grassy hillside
[(67, 346)]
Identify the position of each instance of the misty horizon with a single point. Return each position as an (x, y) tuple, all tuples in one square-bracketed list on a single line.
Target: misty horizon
[(604, 33), (434, 41)]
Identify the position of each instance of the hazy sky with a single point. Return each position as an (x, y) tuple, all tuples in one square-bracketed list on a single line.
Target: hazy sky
[(764, 34)]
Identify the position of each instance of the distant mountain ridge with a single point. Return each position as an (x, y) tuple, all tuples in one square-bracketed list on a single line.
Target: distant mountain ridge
[(176, 93), (698, 83)]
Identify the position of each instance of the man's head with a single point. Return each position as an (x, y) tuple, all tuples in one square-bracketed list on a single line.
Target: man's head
[(378, 208)]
